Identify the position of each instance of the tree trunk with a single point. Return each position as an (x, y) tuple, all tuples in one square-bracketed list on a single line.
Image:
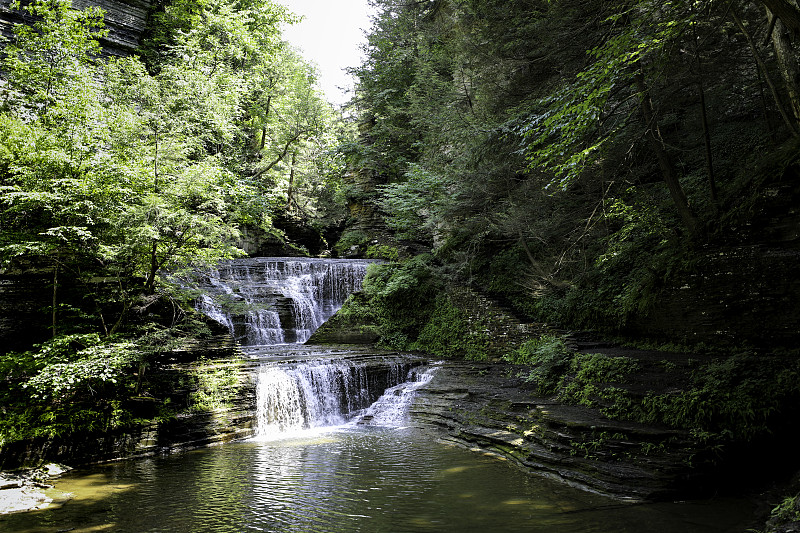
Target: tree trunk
[(765, 72), (787, 11), (787, 61), (290, 191), (151, 277), (653, 135), (712, 182), (55, 298), (264, 128)]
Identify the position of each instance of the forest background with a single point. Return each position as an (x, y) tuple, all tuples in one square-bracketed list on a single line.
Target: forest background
[(582, 162)]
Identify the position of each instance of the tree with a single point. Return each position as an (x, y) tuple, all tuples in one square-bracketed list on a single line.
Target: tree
[(116, 177), (787, 11)]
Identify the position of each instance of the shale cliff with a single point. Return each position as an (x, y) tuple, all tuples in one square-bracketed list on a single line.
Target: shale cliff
[(125, 21), (489, 408)]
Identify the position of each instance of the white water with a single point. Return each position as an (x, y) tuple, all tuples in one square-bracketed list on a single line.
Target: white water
[(268, 301), (392, 409), (295, 399)]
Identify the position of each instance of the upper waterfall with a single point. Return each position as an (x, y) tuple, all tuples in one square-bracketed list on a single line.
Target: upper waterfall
[(277, 300)]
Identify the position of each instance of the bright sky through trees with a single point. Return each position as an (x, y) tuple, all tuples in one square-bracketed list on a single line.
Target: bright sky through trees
[(330, 35)]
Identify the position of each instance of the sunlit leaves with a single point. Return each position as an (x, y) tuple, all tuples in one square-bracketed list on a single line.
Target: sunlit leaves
[(92, 366), (573, 124), (48, 59)]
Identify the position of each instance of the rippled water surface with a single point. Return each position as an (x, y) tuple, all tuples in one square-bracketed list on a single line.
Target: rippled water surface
[(357, 479)]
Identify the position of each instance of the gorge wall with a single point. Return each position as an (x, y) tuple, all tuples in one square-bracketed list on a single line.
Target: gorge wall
[(125, 21)]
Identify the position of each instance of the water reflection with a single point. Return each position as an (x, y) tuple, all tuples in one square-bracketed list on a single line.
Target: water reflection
[(366, 479)]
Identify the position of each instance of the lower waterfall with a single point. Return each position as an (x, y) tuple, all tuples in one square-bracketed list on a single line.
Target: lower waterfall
[(292, 397)]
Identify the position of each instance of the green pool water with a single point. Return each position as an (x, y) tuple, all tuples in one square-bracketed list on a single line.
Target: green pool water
[(350, 480)]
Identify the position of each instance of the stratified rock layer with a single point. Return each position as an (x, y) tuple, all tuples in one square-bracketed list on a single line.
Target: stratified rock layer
[(188, 429), (487, 407), (125, 21)]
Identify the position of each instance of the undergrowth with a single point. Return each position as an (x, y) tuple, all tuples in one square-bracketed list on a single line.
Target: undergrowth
[(737, 398), (407, 305)]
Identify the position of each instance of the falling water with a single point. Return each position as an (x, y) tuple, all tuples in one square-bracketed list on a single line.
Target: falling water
[(392, 409), (269, 303), (277, 300), (324, 393)]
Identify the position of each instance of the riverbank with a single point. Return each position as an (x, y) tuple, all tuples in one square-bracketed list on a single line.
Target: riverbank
[(31, 489)]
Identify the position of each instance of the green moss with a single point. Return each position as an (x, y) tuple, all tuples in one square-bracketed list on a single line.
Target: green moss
[(383, 251), (350, 239), (216, 384), (401, 298), (449, 332)]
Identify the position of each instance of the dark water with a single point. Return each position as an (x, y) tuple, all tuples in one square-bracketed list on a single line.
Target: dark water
[(350, 480)]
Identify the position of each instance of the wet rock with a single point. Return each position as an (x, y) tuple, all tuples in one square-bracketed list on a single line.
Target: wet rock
[(23, 499), (27, 490), (486, 407), (8, 481)]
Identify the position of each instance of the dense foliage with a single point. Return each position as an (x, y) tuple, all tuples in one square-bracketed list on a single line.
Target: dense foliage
[(118, 174), (575, 157), (581, 161)]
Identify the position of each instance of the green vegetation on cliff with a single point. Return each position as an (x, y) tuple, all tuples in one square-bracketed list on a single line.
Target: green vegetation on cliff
[(583, 161), (117, 175)]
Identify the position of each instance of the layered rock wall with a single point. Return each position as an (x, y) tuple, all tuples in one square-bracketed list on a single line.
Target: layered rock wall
[(125, 20), (488, 408), (187, 429)]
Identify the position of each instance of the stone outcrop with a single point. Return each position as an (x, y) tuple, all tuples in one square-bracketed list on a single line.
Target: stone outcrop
[(25, 491), (343, 328), (507, 332), (488, 408), (125, 20)]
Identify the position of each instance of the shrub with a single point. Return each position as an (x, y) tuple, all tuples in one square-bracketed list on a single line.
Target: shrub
[(550, 357), (450, 333)]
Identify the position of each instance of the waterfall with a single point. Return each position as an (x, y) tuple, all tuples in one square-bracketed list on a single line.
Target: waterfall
[(277, 300), (270, 305), (391, 409), (323, 393)]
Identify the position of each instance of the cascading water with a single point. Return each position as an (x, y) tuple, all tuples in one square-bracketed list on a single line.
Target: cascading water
[(269, 303), (392, 408), (315, 394), (277, 300)]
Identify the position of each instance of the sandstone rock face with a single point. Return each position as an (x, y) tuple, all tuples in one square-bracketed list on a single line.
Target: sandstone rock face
[(125, 21), (487, 408)]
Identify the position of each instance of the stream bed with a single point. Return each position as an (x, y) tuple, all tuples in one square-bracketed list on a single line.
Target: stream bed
[(348, 479)]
